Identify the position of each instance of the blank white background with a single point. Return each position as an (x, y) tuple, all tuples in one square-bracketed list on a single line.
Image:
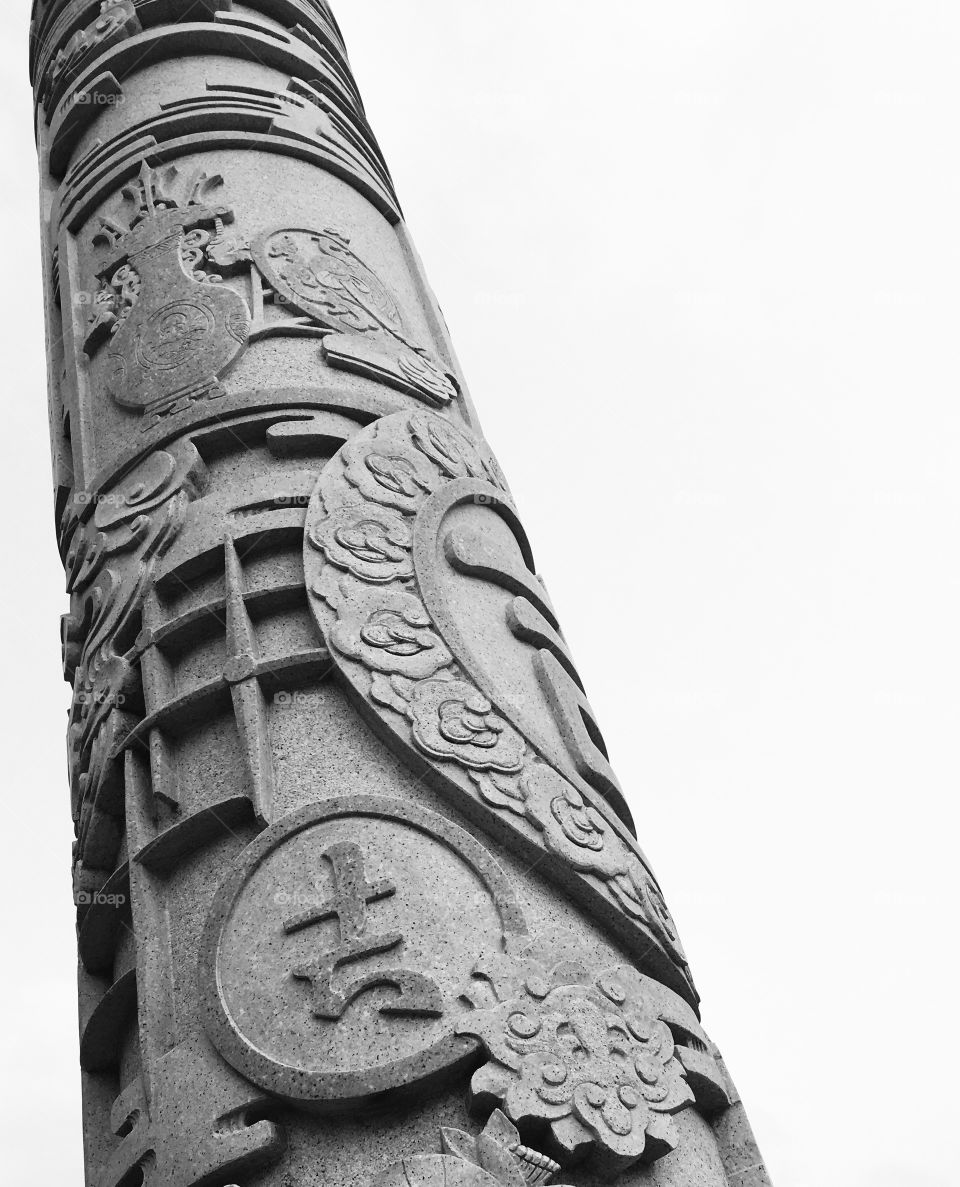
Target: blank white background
[(700, 261)]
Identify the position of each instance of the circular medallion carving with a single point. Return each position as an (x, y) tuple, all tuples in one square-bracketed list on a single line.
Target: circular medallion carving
[(174, 334), (336, 951)]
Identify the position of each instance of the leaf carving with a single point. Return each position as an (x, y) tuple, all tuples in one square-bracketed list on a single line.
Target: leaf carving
[(499, 1162), (459, 1144)]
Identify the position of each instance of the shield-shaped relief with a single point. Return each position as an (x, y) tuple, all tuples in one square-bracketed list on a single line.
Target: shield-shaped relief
[(422, 582)]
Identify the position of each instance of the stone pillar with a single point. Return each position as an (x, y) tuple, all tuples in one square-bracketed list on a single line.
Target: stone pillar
[(360, 900)]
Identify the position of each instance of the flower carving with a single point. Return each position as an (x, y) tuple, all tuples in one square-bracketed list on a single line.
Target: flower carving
[(586, 1054), (640, 897), (571, 826), (391, 477), (372, 543), (501, 791), (576, 831), (390, 631), (446, 446), (453, 720)]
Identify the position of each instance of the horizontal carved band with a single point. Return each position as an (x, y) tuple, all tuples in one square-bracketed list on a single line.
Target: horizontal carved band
[(71, 35)]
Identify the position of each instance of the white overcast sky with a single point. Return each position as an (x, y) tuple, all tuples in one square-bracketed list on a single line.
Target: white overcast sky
[(700, 263)]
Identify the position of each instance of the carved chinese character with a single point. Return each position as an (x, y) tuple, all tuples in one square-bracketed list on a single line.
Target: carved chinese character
[(329, 976), (415, 993)]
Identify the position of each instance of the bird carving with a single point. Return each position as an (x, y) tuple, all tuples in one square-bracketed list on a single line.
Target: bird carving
[(334, 284), (318, 275)]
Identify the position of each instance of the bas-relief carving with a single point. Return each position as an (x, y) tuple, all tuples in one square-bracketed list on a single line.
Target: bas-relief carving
[(317, 118), (191, 1122), (170, 335), (308, 120), (410, 945), (351, 894), (127, 692), (336, 951), (116, 21), (494, 1157), (109, 563), (361, 946), (170, 325), (55, 28), (390, 605), (319, 275), (589, 1054)]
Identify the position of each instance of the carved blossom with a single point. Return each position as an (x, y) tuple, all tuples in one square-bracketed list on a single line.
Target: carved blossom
[(390, 631), (391, 477), (640, 897), (583, 1053), (372, 543), (453, 720), (577, 832), (447, 447)]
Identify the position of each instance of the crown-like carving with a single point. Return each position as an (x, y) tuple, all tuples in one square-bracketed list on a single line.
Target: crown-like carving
[(156, 203)]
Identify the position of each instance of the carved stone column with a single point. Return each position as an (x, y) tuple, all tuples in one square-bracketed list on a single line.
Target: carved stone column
[(359, 896)]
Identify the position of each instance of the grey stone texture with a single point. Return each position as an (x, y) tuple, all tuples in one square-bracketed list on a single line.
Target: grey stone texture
[(360, 900)]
